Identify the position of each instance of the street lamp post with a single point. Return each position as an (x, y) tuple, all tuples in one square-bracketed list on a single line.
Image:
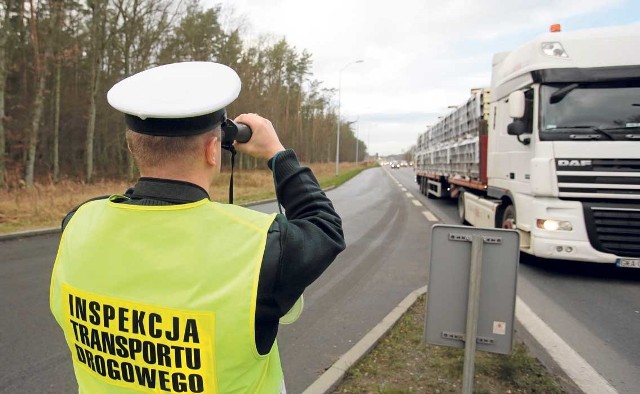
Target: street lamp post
[(338, 132), (357, 141)]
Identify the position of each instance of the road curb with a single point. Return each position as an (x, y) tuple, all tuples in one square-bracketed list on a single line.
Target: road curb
[(29, 233), (330, 379)]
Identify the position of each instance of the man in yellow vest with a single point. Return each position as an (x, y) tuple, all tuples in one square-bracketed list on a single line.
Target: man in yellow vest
[(161, 289)]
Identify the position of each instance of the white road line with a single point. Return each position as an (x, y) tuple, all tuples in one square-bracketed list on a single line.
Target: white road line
[(430, 217), (577, 368), (416, 203), (403, 189), (408, 195)]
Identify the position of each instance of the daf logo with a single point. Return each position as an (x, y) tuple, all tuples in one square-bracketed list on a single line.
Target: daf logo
[(574, 163)]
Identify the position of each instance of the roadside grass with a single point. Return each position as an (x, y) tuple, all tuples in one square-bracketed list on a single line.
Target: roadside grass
[(46, 203), (401, 363)]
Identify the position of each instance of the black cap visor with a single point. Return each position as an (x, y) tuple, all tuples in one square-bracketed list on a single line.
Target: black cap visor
[(178, 127)]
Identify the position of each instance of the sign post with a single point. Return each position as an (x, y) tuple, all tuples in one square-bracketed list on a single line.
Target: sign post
[(473, 304), (472, 290)]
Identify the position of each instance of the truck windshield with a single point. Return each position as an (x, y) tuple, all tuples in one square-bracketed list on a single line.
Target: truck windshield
[(610, 109)]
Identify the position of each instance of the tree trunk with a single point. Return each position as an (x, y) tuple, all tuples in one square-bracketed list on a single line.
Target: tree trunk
[(58, 22), (91, 129), (131, 165), (302, 144), (285, 123), (4, 31), (56, 125), (38, 101), (38, 106), (97, 29)]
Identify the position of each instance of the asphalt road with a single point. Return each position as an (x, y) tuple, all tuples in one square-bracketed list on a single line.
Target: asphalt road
[(35, 358), (595, 310), (385, 260)]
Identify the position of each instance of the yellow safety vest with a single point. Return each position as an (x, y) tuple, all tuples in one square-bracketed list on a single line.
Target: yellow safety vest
[(163, 298)]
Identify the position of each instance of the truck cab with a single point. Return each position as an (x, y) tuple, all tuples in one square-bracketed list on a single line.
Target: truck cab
[(563, 156)]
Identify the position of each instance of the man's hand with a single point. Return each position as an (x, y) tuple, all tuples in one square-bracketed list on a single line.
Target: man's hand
[(264, 142)]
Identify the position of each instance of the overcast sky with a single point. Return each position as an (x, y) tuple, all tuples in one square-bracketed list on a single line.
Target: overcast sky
[(420, 56)]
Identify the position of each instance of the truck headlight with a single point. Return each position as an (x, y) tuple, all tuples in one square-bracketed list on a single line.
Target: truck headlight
[(554, 225)]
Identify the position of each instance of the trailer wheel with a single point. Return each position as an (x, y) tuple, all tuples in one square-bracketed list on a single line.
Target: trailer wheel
[(509, 217), (461, 210)]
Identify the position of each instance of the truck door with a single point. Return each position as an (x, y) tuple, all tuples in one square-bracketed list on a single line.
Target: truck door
[(509, 156)]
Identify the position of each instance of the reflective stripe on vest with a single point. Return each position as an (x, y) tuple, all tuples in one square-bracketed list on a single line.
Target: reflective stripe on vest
[(163, 298)]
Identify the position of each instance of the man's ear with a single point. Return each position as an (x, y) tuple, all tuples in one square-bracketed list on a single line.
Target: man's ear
[(211, 150)]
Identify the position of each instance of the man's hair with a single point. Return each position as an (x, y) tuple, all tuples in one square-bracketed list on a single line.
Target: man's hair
[(152, 151)]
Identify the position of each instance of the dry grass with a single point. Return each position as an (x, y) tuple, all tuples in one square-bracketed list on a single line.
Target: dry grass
[(402, 363), (45, 204)]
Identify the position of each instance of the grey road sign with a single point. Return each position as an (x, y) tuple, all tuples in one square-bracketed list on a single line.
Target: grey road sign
[(496, 253)]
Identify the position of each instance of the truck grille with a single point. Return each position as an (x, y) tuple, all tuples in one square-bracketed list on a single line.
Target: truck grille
[(598, 178), (613, 228)]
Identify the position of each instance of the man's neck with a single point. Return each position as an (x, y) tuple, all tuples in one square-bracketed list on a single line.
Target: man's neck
[(196, 178)]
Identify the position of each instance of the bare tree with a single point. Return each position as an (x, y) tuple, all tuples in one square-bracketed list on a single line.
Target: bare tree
[(58, 56), (98, 24), (4, 35), (40, 77)]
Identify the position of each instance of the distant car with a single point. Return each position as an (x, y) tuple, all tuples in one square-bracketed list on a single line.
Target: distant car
[(395, 164), (403, 163)]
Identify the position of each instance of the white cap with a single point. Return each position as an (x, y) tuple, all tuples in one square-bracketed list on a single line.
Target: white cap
[(176, 99)]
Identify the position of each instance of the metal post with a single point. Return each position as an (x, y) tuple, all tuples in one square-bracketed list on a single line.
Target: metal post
[(473, 304), (357, 142), (338, 120), (338, 132)]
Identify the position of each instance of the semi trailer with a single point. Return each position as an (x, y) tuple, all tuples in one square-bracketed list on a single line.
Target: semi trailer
[(551, 148)]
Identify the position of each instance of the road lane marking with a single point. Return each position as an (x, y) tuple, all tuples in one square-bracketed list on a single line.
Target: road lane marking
[(416, 203), (577, 368), (408, 195), (430, 217), (403, 189)]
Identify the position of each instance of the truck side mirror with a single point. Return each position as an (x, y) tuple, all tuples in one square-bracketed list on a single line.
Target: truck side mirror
[(516, 104), (517, 127)]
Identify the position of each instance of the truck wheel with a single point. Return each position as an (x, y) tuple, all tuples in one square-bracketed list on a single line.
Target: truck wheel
[(509, 217), (461, 211)]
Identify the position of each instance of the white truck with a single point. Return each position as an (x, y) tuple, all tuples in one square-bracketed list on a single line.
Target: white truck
[(551, 149)]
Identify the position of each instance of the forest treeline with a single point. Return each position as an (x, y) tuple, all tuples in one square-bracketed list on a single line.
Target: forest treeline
[(58, 58)]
